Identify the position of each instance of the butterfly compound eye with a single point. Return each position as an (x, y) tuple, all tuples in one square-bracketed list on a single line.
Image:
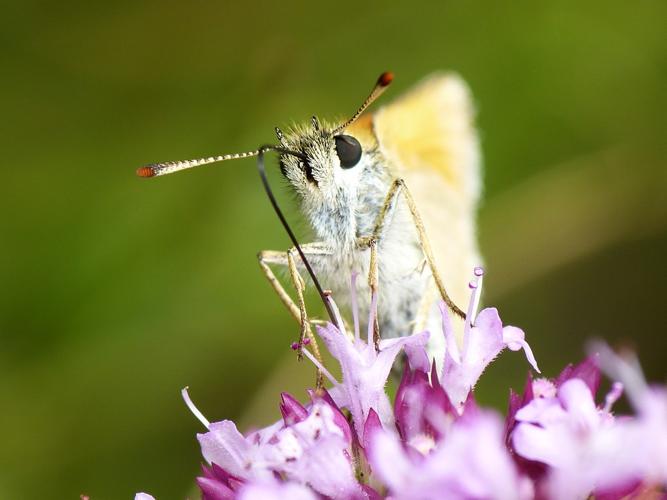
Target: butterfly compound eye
[(348, 150)]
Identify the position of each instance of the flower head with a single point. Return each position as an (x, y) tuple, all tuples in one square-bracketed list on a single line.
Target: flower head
[(365, 368), (585, 448), (365, 371), (311, 445), (557, 441)]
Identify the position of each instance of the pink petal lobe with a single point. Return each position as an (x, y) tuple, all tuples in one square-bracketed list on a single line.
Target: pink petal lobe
[(225, 446), (275, 490), (291, 409), (371, 426), (514, 338), (577, 400)]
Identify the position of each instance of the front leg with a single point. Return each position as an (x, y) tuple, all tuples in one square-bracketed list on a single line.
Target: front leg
[(397, 187), (298, 312)]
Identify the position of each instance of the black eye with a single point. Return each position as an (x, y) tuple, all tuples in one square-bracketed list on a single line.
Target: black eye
[(348, 150)]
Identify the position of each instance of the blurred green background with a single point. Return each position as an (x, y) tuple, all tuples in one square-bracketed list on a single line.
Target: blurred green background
[(117, 292)]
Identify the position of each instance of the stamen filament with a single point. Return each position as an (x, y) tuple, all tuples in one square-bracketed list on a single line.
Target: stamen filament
[(476, 285), (336, 311), (320, 367), (612, 396), (195, 411)]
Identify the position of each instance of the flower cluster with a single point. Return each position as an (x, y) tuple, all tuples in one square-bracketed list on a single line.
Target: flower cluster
[(350, 442)]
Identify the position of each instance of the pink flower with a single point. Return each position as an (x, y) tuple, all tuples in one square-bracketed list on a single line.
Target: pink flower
[(238, 455), (588, 371), (556, 442), (315, 451), (583, 445), (310, 446), (574, 448), (484, 337), (422, 406), (648, 431), (470, 462), (365, 369)]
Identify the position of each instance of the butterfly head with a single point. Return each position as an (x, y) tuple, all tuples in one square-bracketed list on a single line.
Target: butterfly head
[(329, 163)]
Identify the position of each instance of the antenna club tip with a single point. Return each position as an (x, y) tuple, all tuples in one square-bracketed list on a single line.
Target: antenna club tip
[(145, 172), (385, 78)]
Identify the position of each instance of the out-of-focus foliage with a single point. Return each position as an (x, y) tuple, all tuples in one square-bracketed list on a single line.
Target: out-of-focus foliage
[(117, 292)]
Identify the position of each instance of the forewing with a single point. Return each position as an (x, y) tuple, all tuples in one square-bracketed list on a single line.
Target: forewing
[(429, 139)]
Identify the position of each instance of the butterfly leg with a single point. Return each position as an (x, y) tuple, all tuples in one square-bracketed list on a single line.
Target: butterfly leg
[(397, 187), (287, 259)]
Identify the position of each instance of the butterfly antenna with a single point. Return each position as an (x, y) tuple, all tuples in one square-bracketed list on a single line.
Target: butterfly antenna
[(382, 83), (169, 167)]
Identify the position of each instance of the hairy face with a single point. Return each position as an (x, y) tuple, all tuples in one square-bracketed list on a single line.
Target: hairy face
[(329, 167), (333, 176)]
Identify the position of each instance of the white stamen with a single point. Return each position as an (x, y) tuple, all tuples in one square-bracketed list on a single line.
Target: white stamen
[(612, 396), (476, 286), (195, 411), (339, 319), (371, 318), (320, 366), (624, 369), (355, 305)]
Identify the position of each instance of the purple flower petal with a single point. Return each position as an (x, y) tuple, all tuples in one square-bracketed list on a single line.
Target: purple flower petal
[(291, 409), (482, 343), (371, 426), (409, 402), (588, 371), (225, 445), (219, 474), (449, 333), (417, 355), (314, 451), (389, 461), (326, 468), (370, 494), (422, 407), (536, 443), (214, 490), (338, 417), (514, 338), (515, 403), (626, 490), (577, 400), (365, 372), (271, 489)]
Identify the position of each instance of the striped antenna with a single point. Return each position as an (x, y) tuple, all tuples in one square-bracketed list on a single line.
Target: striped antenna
[(169, 167), (382, 83)]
